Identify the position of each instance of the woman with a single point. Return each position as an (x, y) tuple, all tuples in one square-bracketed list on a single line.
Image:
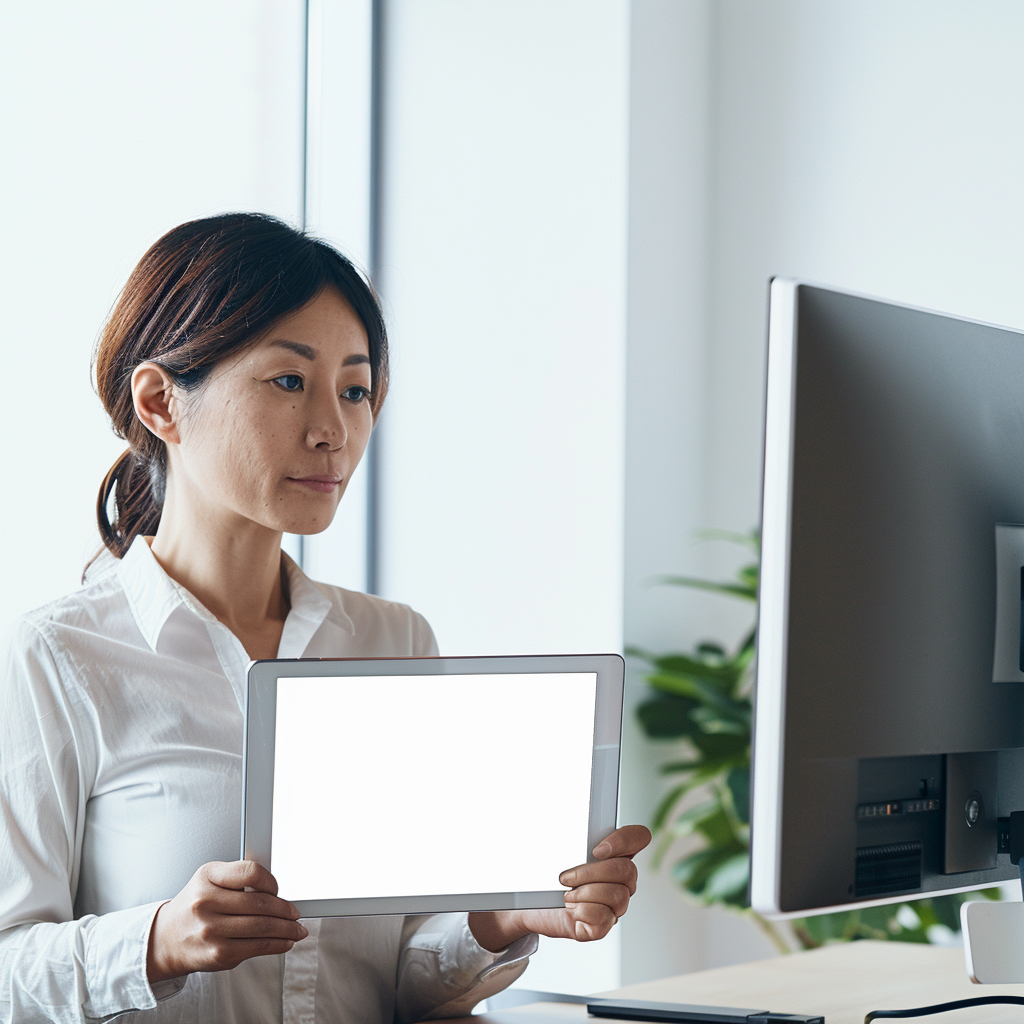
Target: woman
[(244, 364)]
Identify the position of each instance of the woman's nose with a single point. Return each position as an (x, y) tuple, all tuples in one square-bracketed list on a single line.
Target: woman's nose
[(327, 432)]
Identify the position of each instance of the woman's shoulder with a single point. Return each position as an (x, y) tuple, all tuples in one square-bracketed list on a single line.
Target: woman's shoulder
[(98, 608), (89, 607), (40, 664), (386, 628)]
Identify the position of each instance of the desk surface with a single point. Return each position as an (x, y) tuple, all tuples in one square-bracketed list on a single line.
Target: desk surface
[(843, 982)]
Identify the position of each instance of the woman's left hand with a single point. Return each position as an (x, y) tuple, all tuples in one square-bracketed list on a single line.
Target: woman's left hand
[(599, 896)]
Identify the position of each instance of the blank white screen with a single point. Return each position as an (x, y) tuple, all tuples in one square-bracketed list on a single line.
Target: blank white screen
[(430, 785)]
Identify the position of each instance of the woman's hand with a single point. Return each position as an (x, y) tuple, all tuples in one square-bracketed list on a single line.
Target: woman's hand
[(599, 897), (214, 924)]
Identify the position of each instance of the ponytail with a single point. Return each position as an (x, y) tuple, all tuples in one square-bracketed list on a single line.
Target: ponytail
[(137, 484)]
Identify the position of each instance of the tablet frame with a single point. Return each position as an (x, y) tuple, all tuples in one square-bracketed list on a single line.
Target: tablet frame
[(258, 765)]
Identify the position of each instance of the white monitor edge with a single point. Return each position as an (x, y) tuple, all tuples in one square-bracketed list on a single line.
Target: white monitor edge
[(789, 915), (773, 600)]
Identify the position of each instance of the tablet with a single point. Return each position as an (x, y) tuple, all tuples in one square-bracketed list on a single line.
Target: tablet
[(422, 785)]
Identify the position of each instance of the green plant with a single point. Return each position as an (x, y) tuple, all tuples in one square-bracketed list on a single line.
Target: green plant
[(703, 700)]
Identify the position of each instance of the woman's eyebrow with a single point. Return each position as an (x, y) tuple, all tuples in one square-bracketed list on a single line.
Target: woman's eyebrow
[(306, 351)]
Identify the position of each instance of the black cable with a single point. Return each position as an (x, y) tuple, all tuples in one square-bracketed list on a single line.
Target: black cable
[(1016, 830), (956, 1004)]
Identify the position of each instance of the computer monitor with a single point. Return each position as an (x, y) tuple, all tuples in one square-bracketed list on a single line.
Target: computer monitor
[(889, 724)]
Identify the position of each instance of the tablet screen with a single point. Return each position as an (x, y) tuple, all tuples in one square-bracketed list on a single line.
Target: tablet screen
[(399, 785)]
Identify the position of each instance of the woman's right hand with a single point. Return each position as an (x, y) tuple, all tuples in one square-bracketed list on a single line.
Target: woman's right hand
[(214, 924)]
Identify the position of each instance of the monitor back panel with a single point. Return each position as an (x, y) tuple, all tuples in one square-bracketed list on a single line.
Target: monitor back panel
[(906, 449)]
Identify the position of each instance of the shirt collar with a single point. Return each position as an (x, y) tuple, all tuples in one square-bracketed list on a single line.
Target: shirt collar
[(152, 596), (310, 608)]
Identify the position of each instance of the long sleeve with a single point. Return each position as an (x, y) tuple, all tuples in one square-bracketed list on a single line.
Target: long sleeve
[(52, 967), (444, 972)]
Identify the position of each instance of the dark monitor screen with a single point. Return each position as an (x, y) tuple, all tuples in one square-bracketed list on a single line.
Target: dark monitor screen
[(889, 733)]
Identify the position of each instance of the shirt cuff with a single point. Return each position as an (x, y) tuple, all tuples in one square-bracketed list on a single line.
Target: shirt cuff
[(465, 962), (522, 949), (116, 947)]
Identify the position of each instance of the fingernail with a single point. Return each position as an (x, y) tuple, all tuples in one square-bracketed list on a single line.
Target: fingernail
[(566, 877), (295, 911), (305, 930), (603, 849)]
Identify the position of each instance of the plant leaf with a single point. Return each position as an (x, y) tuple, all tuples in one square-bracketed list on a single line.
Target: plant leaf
[(687, 822), (666, 716), (749, 642), (721, 745), (744, 590), (704, 767), (750, 575), (699, 691), (711, 722), (695, 668), (668, 801), (946, 910), (750, 540), (738, 781), (707, 648), (662, 843), (827, 927), (728, 882), (692, 871), (716, 827)]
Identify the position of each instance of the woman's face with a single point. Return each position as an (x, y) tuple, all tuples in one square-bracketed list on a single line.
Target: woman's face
[(277, 431)]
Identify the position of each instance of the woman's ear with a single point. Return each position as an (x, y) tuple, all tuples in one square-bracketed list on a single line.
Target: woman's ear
[(156, 405)]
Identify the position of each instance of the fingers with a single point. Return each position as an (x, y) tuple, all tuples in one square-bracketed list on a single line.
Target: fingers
[(601, 890), (627, 841), (619, 871), (213, 900), (591, 921), (228, 912), (251, 926), (240, 874), (614, 897)]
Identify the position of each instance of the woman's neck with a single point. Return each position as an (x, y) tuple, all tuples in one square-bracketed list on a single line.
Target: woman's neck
[(232, 566)]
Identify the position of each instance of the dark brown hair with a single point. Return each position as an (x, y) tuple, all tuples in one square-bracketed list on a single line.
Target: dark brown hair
[(206, 290)]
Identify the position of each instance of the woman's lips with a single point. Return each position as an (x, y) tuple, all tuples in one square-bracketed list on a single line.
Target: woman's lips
[(322, 484)]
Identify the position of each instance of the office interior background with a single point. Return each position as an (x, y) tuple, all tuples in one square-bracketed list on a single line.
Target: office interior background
[(572, 208)]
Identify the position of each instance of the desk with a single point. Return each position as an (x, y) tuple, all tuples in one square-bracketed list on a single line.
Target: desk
[(842, 982)]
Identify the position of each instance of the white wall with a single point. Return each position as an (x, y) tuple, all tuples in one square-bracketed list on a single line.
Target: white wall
[(504, 251), (870, 145), (666, 441), (119, 120), (504, 273)]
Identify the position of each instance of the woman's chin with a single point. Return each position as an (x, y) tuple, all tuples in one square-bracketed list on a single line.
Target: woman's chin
[(307, 517), (307, 525)]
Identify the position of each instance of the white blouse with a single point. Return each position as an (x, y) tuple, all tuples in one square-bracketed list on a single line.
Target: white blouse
[(120, 774)]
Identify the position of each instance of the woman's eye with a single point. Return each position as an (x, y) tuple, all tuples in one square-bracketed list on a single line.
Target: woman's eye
[(356, 394), (289, 381)]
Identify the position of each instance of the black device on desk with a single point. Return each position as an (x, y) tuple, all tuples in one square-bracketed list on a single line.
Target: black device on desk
[(634, 1009)]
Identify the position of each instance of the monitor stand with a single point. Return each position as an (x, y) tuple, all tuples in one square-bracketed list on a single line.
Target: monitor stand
[(994, 932)]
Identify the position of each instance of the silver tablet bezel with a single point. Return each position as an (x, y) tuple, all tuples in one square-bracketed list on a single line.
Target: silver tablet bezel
[(258, 765)]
